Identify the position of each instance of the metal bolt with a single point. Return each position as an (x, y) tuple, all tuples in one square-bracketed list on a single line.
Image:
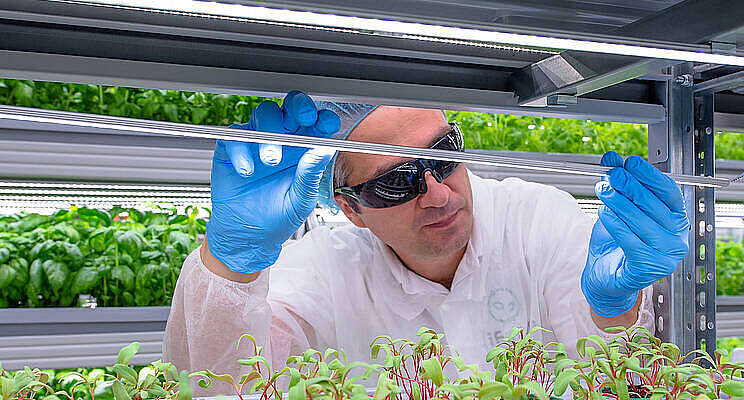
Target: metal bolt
[(709, 228), (710, 324), (684, 80), (708, 131)]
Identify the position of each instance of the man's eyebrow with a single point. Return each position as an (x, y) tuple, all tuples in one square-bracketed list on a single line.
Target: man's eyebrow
[(441, 132)]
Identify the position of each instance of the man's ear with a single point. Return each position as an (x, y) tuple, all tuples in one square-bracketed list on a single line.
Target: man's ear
[(348, 210)]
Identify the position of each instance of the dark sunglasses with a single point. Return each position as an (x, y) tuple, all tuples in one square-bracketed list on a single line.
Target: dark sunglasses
[(406, 181)]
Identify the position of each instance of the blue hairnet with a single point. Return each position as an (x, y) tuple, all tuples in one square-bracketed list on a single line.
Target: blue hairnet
[(350, 114)]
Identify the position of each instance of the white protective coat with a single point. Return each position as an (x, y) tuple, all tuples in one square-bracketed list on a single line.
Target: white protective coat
[(340, 288)]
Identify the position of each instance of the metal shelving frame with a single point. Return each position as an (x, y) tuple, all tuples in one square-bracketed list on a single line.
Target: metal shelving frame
[(683, 103)]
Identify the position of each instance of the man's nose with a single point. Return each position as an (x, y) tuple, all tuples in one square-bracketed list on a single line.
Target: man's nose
[(437, 194)]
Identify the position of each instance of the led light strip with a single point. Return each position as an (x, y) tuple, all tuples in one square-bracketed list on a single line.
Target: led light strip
[(77, 192), (241, 135), (99, 186), (397, 28), (97, 200)]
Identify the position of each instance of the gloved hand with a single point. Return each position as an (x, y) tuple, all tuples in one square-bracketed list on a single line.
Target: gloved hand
[(640, 237), (261, 194)]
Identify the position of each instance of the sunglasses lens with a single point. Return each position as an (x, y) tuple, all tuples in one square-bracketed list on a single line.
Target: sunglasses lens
[(401, 184), (394, 188)]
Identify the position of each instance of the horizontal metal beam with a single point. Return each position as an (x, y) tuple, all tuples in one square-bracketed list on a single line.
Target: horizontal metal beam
[(52, 351), (690, 21), (578, 73), (214, 132), (82, 16), (66, 68), (726, 82), (42, 321), (728, 122), (575, 73)]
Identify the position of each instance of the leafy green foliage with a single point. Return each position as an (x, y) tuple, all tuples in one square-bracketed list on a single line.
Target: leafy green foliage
[(161, 105), (729, 344), (122, 257), (121, 381), (730, 268), (730, 146), (549, 135), (634, 364)]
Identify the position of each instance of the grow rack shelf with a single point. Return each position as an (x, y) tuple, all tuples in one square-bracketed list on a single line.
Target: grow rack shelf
[(81, 42)]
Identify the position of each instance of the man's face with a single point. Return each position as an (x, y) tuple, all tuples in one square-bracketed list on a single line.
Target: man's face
[(434, 224)]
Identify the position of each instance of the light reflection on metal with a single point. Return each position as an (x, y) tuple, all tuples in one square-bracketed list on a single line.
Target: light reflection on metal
[(216, 132)]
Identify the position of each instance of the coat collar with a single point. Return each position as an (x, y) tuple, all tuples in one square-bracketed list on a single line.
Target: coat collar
[(410, 293)]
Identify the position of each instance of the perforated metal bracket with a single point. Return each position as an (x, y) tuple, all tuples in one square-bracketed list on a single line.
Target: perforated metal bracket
[(658, 143), (704, 228)]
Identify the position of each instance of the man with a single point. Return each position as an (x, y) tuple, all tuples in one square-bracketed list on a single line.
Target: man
[(429, 245)]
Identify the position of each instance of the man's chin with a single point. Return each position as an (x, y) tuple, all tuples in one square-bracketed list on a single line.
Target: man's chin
[(448, 239)]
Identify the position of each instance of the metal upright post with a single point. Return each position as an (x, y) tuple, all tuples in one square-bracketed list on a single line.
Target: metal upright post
[(685, 301), (674, 296), (704, 229)]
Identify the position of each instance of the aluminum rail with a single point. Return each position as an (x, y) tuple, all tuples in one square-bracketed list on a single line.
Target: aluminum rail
[(242, 135)]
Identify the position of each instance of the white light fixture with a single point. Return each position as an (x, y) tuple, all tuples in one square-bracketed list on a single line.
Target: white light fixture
[(415, 30), (46, 185)]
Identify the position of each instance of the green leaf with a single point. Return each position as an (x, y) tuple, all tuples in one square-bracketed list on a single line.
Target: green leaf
[(564, 379), (94, 216), (119, 392), (73, 256), (198, 114), (43, 249), (535, 388), (7, 275), (171, 112), (57, 274), (184, 387), (101, 239), (432, 370), (130, 242), (124, 275), (180, 240), (36, 274), (4, 255), (64, 231), (125, 372), (127, 352), (84, 280), (493, 390), (733, 388), (297, 392), (335, 364), (23, 93)]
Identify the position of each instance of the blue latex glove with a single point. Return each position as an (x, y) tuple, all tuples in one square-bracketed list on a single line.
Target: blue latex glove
[(261, 194), (640, 237)]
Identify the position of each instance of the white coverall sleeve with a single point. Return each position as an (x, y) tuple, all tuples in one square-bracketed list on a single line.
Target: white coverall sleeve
[(209, 313), (558, 242)]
